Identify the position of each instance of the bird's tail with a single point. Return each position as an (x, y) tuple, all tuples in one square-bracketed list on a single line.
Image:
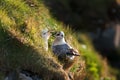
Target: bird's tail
[(73, 52), (76, 54)]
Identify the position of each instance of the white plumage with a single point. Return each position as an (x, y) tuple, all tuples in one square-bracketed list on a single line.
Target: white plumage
[(62, 49), (45, 35)]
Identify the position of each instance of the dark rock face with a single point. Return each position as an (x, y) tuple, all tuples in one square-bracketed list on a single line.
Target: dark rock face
[(106, 39), (103, 41), (82, 14), (114, 12)]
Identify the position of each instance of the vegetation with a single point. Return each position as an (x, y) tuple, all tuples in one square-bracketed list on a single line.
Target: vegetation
[(21, 46)]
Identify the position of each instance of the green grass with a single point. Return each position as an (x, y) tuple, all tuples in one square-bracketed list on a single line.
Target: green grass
[(21, 46)]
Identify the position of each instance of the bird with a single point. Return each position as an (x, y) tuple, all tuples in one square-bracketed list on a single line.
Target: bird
[(46, 35), (64, 52), (62, 49)]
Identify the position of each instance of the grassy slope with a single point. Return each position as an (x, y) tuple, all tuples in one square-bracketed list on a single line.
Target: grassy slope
[(21, 22)]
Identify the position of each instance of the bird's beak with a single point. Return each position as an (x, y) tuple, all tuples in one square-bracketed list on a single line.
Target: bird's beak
[(52, 32), (49, 32)]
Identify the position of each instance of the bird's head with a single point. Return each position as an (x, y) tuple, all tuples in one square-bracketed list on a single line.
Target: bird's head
[(46, 34), (60, 35)]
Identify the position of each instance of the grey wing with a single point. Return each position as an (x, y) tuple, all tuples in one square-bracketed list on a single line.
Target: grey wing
[(60, 49), (54, 49)]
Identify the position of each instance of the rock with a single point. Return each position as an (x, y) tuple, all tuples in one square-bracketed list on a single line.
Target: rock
[(23, 75), (12, 76)]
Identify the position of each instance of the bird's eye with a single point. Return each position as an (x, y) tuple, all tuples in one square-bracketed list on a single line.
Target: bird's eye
[(44, 33), (62, 35), (57, 34)]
